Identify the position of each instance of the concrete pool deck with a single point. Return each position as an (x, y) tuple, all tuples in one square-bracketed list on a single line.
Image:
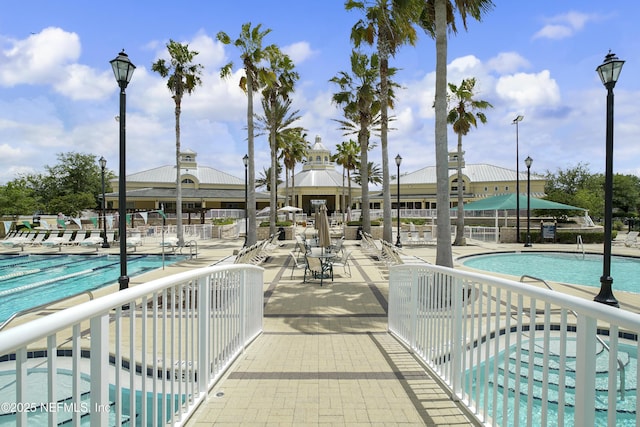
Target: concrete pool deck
[(325, 356)]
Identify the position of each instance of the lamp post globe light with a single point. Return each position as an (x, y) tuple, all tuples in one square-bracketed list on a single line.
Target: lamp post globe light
[(103, 165), (245, 160), (398, 161), (123, 71), (517, 120), (609, 71), (528, 161)]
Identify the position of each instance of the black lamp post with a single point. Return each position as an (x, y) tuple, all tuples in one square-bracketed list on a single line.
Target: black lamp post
[(528, 161), (105, 243), (517, 120), (245, 160), (123, 70), (398, 161), (609, 71)]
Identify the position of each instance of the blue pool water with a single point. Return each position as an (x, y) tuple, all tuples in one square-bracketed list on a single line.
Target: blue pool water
[(65, 408), (30, 280), (561, 267), (625, 407)]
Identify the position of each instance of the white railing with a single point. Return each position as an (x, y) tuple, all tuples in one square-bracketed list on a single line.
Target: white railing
[(484, 234), (168, 340), (461, 324)]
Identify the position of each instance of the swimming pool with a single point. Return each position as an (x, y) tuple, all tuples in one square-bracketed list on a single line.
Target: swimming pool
[(625, 407), (38, 406), (574, 268), (31, 280)]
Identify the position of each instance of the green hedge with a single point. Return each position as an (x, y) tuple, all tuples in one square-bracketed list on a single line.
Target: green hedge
[(374, 223), (569, 237), (278, 224)]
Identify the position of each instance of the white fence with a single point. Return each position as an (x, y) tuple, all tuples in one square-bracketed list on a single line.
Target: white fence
[(155, 350), (517, 354)]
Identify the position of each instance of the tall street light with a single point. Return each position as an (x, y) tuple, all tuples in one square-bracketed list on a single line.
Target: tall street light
[(123, 71), (528, 161), (245, 160), (398, 161), (517, 120), (609, 71), (105, 243)]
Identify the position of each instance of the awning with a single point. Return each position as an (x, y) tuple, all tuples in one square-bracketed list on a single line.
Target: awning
[(509, 201)]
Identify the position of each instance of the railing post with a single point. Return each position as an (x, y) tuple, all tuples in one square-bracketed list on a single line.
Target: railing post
[(585, 371), (456, 339), (204, 332), (99, 408), (243, 308), (413, 310)]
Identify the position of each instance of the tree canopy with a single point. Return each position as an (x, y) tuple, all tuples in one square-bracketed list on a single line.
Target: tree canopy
[(70, 186)]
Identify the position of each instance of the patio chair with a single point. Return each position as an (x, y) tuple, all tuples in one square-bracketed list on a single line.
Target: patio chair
[(343, 262), (318, 269), (297, 263)]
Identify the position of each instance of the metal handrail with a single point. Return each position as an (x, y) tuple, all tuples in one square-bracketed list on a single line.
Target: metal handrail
[(600, 340), (580, 244), (40, 307)]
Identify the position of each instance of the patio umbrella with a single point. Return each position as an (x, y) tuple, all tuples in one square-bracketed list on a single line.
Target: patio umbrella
[(289, 209), (324, 239)]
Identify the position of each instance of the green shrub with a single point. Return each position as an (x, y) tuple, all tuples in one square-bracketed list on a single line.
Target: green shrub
[(223, 221), (278, 224)]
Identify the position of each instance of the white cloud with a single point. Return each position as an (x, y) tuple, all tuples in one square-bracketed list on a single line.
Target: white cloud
[(564, 25), (507, 62), (40, 58), (299, 52), (529, 90)]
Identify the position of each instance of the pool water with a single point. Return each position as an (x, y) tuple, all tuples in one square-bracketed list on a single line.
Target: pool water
[(31, 280), (561, 267), (37, 377), (625, 407)]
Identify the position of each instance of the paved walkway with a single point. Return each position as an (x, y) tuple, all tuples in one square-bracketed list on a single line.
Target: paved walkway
[(325, 358)]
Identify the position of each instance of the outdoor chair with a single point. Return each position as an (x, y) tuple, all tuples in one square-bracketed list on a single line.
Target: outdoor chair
[(297, 262), (318, 269), (343, 262)]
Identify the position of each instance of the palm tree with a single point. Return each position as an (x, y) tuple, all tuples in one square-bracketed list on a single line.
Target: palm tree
[(358, 96), (276, 105), (389, 24), (266, 178), (462, 117), (347, 155), (374, 174), (184, 76), (252, 54), (294, 150), (436, 18)]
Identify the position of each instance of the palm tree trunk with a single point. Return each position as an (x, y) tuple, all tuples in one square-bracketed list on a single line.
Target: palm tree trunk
[(363, 139), (349, 202), (273, 194), (179, 233), (460, 221), (383, 50), (251, 190), (444, 255)]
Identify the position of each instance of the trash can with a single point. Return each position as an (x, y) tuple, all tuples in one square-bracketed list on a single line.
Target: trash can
[(282, 234)]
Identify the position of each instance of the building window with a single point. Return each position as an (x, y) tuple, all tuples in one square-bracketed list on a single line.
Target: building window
[(486, 189), (495, 188), (188, 181)]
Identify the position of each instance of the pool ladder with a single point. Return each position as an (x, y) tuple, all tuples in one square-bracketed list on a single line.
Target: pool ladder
[(600, 340), (580, 244)]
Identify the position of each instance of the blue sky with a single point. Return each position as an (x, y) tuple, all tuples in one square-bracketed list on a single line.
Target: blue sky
[(538, 59)]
